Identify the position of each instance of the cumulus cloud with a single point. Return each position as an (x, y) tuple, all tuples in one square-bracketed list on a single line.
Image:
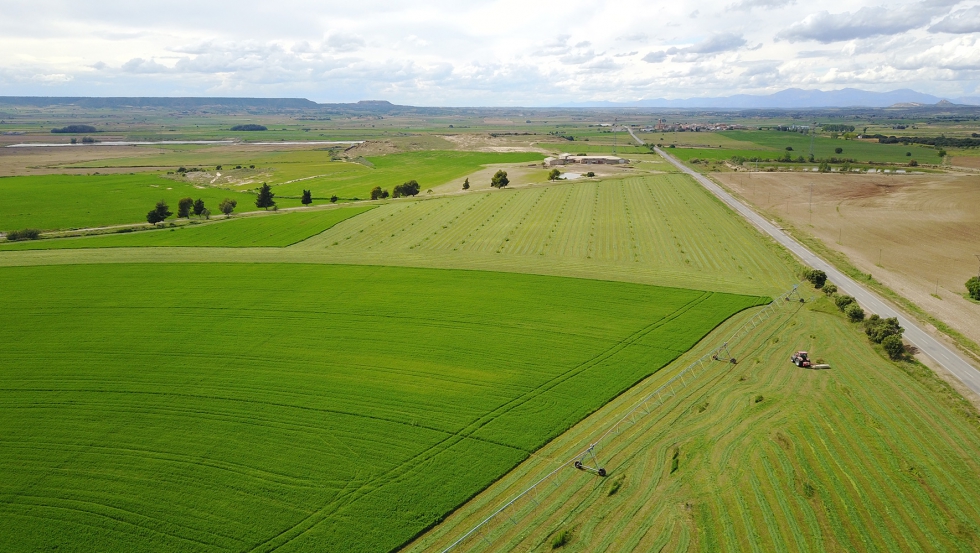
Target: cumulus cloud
[(140, 65), (959, 22), (867, 22), (655, 57), (749, 4), (343, 42)]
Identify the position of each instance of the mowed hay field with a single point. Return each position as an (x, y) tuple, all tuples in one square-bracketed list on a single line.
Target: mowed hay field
[(658, 228), (272, 230), (299, 407), (870, 455), (924, 229)]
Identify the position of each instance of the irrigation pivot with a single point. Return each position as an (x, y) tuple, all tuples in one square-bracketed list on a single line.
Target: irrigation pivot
[(533, 496)]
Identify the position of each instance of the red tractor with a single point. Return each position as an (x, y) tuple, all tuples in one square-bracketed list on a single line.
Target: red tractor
[(800, 359)]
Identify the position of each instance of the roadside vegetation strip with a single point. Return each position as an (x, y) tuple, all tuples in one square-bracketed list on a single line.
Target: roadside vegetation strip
[(219, 391), (870, 453), (273, 230)]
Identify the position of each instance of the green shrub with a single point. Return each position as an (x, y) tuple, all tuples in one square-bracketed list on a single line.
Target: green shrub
[(25, 234), (829, 289), (973, 287), (561, 539), (843, 301), (758, 399), (893, 346), (854, 313)]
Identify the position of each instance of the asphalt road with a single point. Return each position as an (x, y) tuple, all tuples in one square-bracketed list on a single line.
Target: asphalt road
[(949, 359)]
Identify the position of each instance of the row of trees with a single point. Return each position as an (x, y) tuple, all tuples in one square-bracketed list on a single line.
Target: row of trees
[(185, 206), (885, 331)]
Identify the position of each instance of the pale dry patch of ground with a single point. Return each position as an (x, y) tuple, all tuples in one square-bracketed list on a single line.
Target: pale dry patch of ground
[(481, 142), (913, 233)]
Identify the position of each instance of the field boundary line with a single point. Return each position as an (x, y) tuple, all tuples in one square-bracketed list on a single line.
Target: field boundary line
[(645, 406)]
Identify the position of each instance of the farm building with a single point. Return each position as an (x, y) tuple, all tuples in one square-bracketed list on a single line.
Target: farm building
[(568, 159)]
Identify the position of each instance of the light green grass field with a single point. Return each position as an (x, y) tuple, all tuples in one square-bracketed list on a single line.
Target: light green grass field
[(824, 147), (429, 168), (871, 455), (661, 224), (79, 201), (275, 230), (214, 407)]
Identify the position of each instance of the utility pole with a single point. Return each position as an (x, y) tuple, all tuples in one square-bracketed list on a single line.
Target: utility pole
[(813, 129), (811, 202), (615, 141)]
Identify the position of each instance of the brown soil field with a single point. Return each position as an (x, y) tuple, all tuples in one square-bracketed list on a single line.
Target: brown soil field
[(970, 162), (917, 234)]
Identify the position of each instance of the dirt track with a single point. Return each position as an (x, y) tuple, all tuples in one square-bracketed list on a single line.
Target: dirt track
[(909, 231)]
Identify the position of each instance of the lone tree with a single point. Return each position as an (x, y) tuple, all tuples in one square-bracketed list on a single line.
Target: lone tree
[(159, 213), (184, 206), (376, 193), (973, 287), (307, 197), (228, 205), (199, 208), (466, 184), (499, 179), (265, 197), (838, 150), (410, 188), (333, 199), (554, 174)]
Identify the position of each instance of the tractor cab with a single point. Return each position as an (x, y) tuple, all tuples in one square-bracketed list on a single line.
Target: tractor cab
[(800, 359)]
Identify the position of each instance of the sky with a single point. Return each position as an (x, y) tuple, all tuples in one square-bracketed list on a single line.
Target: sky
[(492, 53)]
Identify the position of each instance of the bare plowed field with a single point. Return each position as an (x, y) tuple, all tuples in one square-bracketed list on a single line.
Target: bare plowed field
[(917, 234)]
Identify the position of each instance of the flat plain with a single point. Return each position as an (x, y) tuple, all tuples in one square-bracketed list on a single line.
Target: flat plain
[(870, 455), (270, 230), (914, 233), (216, 407)]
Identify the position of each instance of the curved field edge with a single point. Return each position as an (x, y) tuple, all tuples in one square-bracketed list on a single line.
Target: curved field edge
[(869, 454), (271, 230), (317, 399)]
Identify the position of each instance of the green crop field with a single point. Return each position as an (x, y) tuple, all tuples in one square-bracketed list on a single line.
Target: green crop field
[(824, 147), (67, 201), (77, 201), (277, 230), (871, 455), (243, 407)]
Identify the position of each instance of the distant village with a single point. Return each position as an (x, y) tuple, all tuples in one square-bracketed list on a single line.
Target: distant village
[(663, 126)]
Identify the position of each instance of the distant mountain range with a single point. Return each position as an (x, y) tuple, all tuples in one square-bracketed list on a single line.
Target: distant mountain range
[(795, 98), (791, 98)]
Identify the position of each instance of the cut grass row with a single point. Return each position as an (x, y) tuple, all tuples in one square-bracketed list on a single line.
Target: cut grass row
[(300, 407), (869, 455), (275, 230), (664, 223)]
